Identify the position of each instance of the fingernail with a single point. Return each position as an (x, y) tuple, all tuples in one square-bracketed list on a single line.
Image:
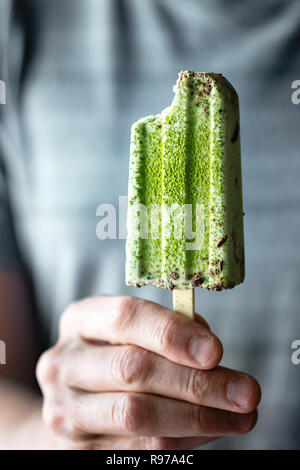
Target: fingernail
[(239, 391), (202, 348), (243, 421)]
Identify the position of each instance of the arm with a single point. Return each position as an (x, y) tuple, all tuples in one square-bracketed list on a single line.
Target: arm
[(20, 406)]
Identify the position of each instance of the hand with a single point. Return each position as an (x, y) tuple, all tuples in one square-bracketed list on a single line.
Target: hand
[(130, 374)]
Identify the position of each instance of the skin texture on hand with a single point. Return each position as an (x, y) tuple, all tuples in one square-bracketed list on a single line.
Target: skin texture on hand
[(130, 374)]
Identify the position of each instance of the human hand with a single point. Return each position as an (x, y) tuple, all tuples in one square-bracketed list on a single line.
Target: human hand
[(130, 374)]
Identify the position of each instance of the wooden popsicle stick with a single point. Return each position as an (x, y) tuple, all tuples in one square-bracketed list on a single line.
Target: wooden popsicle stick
[(183, 302)]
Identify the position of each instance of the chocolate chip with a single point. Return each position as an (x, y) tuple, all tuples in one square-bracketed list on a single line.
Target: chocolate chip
[(222, 241), (216, 287), (174, 275), (197, 282)]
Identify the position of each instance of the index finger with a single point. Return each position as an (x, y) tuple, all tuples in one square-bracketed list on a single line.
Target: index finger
[(130, 320)]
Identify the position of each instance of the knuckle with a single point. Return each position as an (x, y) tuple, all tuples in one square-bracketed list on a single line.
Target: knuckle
[(53, 419), (60, 421), (132, 366), (48, 368), (197, 386), (125, 312), (200, 420), (167, 334), (129, 413)]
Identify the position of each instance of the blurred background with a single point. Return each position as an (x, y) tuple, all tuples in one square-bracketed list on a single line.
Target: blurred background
[(78, 74)]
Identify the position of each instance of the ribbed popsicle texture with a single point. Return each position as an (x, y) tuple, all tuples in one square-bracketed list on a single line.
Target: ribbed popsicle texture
[(185, 215)]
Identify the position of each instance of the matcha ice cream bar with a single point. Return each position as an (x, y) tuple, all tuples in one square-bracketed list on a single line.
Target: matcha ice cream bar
[(185, 216)]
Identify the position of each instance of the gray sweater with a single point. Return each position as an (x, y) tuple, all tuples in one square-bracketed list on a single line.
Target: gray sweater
[(78, 73)]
